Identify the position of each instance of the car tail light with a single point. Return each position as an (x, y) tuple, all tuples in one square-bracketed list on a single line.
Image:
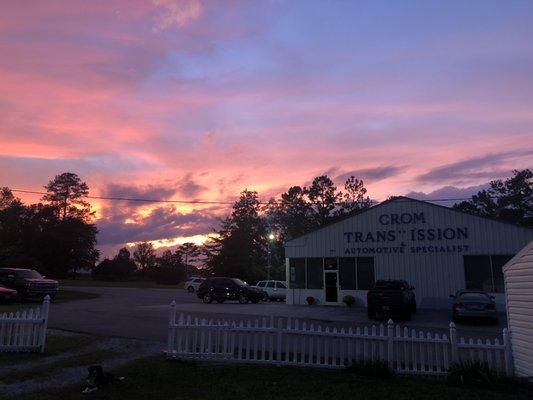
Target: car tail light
[(490, 307)]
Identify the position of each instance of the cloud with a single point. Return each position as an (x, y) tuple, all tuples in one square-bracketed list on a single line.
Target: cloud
[(177, 13), (189, 188), (372, 174), (448, 192), (148, 192), (489, 166)]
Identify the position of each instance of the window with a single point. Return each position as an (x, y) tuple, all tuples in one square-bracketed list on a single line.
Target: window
[(297, 273), (485, 272), (365, 273), (270, 284), (315, 275), (261, 284), (281, 285), (347, 274), (330, 264)]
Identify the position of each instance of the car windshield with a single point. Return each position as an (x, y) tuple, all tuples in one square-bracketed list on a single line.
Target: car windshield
[(391, 285), (239, 282), (29, 274), (474, 296)]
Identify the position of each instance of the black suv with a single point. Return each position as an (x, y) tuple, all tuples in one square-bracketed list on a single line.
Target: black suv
[(391, 297), (28, 283), (221, 289)]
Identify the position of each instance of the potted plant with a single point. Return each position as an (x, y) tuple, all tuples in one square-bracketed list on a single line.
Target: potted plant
[(310, 300), (348, 300)]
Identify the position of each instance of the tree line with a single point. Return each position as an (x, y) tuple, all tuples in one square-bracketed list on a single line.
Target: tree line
[(58, 237)]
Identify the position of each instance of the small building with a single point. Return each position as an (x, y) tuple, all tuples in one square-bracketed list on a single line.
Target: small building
[(437, 249), (518, 274)]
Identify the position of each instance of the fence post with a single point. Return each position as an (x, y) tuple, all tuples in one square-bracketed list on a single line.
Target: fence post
[(390, 343), (453, 343), (44, 314), (171, 338), (507, 353)]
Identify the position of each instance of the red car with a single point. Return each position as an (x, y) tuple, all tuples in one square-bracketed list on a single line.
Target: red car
[(7, 294)]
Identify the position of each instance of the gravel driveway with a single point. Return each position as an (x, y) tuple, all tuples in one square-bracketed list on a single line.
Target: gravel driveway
[(142, 314)]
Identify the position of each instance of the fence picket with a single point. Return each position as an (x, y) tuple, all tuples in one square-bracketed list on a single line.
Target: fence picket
[(262, 341)]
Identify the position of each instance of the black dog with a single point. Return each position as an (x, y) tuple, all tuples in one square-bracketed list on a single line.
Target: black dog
[(97, 378)]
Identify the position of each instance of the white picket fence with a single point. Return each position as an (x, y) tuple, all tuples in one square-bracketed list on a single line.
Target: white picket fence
[(266, 341), (24, 330)]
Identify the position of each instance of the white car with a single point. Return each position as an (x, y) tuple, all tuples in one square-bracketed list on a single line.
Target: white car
[(192, 284), (276, 290)]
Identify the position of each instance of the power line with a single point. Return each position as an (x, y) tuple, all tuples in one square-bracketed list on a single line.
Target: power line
[(143, 200)]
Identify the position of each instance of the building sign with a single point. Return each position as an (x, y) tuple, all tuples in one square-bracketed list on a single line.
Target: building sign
[(406, 233)]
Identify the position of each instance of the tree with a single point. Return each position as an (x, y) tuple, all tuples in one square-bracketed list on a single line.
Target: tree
[(144, 256), (510, 200), (324, 197), (170, 268), (119, 267), (6, 198), (240, 247), (190, 253), (291, 215), (66, 192), (353, 198)]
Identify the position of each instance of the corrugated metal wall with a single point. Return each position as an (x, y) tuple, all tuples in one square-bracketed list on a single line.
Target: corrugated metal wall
[(518, 275), (435, 275)]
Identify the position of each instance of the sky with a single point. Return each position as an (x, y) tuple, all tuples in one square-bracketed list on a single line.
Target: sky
[(200, 99)]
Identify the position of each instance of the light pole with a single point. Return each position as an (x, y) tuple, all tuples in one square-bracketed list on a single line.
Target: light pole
[(271, 238)]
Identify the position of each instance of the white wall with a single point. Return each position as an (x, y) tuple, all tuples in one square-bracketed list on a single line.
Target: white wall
[(518, 275)]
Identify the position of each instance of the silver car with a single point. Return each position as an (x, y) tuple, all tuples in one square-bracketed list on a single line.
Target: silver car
[(470, 304)]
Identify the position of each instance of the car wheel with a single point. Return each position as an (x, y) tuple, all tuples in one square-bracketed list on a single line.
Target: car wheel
[(190, 289), (265, 297), (220, 301), (207, 298), (243, 299)]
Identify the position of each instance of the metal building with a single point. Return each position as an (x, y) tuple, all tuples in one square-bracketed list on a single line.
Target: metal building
[(437, 249), (518, 275)]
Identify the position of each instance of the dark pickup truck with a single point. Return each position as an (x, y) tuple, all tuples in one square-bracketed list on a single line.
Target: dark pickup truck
[(392, 298), (28, 283)]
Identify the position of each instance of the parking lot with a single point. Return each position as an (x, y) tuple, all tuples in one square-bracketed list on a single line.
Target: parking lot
[(143, 314)]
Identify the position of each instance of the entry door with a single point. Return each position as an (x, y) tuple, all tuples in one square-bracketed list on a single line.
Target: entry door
[(331, 279)]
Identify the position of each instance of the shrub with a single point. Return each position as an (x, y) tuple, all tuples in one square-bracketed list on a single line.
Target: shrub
[(310, 300), (378, 368), (348, 300), (471, 373)]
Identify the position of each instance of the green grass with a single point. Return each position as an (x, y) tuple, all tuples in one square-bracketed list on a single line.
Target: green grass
[(48, 369), (55, 344), (156, 379), (126, 284), (61, 297)]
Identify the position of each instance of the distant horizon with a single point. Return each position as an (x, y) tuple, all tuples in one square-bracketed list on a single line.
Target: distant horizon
[(200, 99)]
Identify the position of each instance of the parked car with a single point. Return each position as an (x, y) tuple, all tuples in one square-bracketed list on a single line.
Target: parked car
[(391, 297), (275, 290), (471, 304), (221, 289), (192, 284), (7, 294), (28, 283)]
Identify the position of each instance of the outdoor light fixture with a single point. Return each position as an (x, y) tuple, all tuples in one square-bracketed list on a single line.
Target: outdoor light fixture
[(271, 236)]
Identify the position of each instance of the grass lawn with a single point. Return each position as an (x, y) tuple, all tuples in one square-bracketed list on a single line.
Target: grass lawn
[(157, 379), (48, 369), (61, 296), (128, 284), (55, 344)]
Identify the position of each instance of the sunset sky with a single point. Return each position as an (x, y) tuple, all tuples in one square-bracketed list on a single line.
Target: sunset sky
[(199, 99)]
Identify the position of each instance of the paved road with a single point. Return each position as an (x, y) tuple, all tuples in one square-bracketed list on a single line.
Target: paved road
[(142, 314)]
